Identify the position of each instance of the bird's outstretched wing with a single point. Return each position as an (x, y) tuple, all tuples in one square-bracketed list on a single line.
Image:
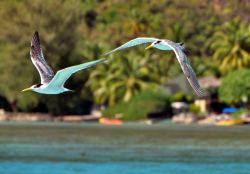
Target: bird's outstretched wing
[(62, 76), (186, 68), (132, 43), (37, 58)]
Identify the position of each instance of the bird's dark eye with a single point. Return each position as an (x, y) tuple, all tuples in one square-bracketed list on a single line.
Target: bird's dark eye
[(157, 42), (38, 85)]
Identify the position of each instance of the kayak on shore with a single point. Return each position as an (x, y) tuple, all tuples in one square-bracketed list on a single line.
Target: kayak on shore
[(230, 122)]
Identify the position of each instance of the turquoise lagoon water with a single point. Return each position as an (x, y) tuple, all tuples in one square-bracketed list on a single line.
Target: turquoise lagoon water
[(81, 148)]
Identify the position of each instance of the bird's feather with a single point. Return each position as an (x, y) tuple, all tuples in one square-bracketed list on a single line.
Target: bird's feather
[(132, 43), (37, 58), (186, 68), (62, 76)]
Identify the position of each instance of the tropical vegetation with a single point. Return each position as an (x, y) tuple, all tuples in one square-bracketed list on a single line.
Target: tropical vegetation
[(141, 106), (231, 45), (235, 87), (216, 34)]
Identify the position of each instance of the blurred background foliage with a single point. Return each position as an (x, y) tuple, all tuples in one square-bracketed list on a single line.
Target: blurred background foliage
[(235, 87), (216, 34), (141, 106)]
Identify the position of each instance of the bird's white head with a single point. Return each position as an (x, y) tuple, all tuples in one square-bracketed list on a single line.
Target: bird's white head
[(159, 44), (32, 88)]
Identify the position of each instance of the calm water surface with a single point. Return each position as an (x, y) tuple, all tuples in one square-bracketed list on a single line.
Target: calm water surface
[(74, 148)]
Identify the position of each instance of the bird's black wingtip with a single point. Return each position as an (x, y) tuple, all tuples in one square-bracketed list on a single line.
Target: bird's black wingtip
[(35, 39), (35, 33)]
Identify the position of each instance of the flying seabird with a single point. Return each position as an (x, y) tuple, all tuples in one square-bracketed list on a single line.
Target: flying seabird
[(50, 83), (167, 45)]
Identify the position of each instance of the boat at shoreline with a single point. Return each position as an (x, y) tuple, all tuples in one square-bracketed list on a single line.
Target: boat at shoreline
[(230, 122)]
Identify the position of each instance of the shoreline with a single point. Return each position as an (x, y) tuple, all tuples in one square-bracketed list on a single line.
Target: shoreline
[(181, 119)]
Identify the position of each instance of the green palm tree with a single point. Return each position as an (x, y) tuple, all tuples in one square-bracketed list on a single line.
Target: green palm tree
[(231, 45), (122, 78)]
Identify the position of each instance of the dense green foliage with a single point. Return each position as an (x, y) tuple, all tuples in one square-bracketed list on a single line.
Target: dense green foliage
[(158, 19), (140, 106), (235, 87), (194, 109), (134, 75), (181, 96), (232, 45), (76, 31), (59, 45)]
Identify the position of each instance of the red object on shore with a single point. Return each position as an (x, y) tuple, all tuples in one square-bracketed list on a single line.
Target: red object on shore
[(109, 121)]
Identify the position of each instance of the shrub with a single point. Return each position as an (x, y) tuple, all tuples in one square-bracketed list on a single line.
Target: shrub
[(194, 108), (181, 96), (235, 87), (140, 106), (239, 112)]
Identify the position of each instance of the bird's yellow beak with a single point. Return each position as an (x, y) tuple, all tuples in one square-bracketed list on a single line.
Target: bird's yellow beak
[(150, 46), (26, 89)]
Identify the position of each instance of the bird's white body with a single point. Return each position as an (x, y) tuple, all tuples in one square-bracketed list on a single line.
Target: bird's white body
[(44, 89)]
